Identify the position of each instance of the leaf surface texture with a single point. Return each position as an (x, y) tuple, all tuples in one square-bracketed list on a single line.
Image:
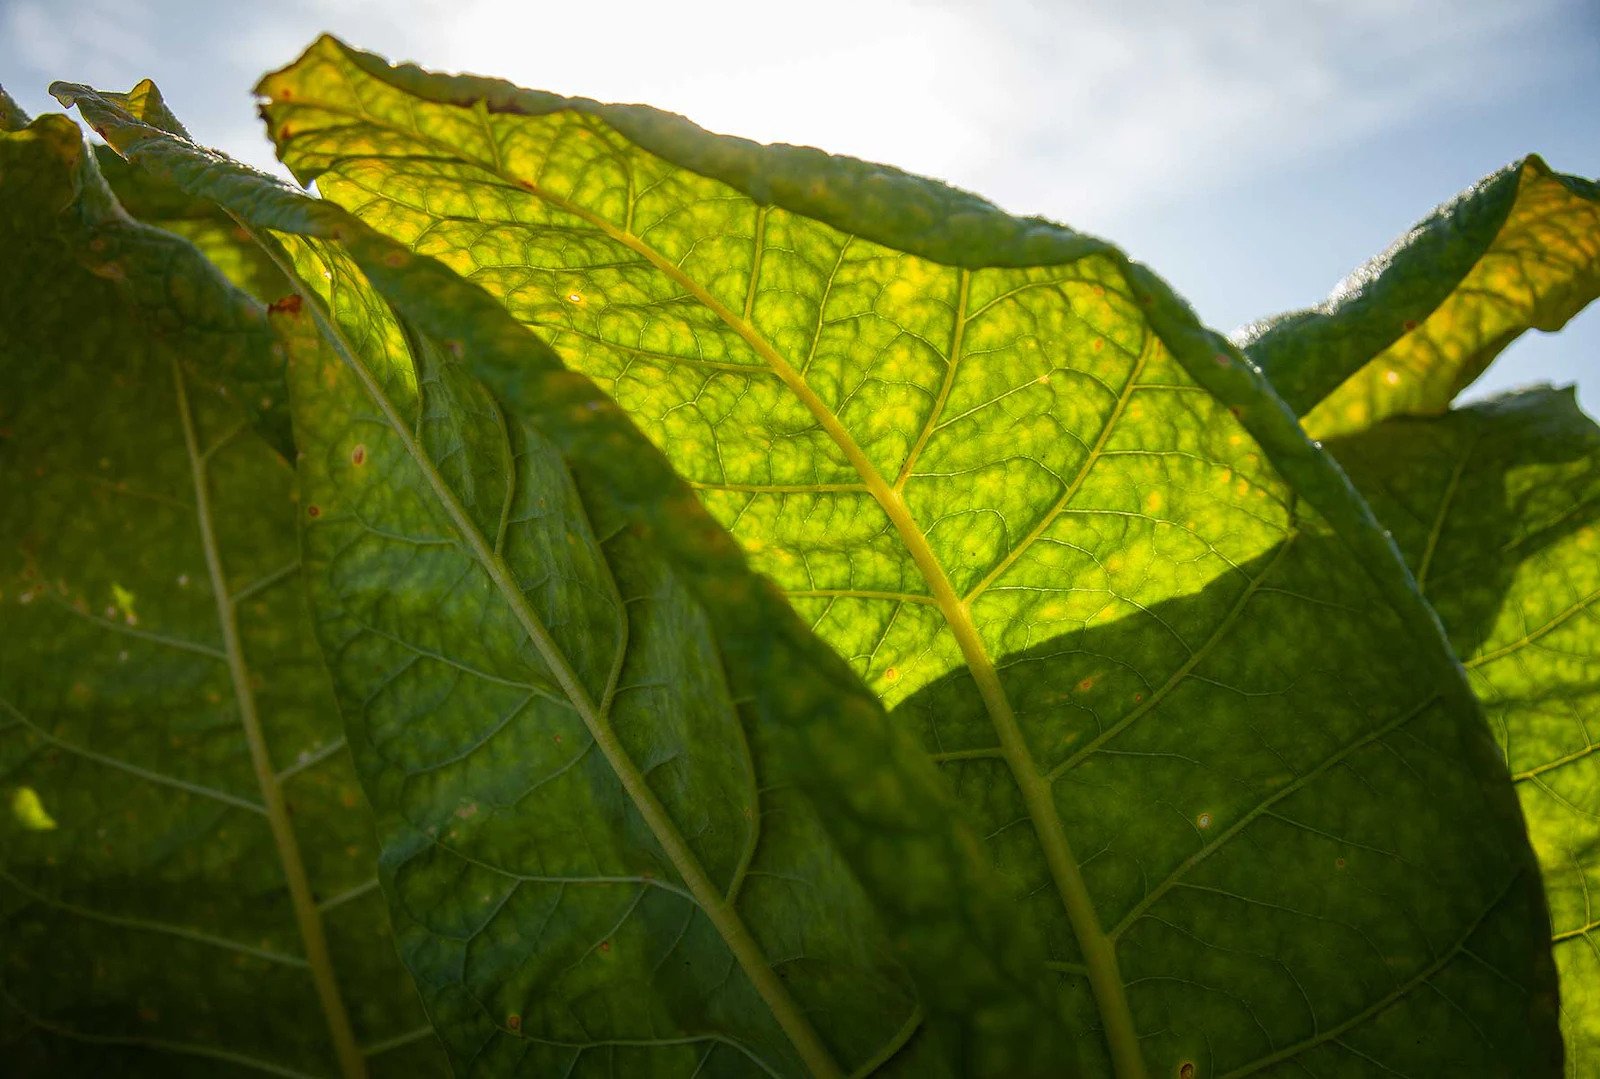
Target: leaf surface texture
[(1160, 648), (1411, 329), (1497, 507), (595, 742), (186, 877)]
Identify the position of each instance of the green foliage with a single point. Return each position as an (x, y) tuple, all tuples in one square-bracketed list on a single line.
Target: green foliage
[(786, 617)]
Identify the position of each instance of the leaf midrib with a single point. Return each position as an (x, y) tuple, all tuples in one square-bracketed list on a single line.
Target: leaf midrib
[(1097, 948), (308, 920), (724, 918)]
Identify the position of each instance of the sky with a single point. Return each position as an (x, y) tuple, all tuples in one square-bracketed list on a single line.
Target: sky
[(1253, 152)]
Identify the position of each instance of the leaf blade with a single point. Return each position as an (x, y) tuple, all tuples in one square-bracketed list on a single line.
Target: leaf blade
[(202, 600), (824, 295), (882, 804), (1406, 333), (1496, 506)]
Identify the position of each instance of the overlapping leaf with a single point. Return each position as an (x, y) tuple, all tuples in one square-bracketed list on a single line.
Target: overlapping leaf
[(581, 740), (1497, 507), (186, 863), (200, 221), (1407, 332), (1161, 649)]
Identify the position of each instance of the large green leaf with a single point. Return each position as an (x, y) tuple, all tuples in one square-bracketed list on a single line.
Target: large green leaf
[(1407, 332), (587, 727), (1214, 737), (1498, 508), (186, 862)]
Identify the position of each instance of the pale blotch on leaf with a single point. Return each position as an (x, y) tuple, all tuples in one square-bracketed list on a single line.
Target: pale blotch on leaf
[(30, 812), (122, 603)]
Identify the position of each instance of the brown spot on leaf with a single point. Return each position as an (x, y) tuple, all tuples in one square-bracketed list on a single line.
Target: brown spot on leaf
[(289, 305), (605, 945), (1186, 1070), (514, 1023), (358, 456), (313, 511)]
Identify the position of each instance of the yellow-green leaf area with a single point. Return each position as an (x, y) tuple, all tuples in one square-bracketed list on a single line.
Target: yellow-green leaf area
[(1409, 331), (1050, 520), (583, 826)]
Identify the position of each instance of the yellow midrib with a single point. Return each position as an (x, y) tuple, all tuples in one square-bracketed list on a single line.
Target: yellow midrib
[(1098, 951)]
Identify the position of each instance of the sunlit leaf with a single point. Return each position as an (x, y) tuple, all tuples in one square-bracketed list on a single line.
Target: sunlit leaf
[(587, 727), (1407, 332), (1498, 509), (1168, 660)]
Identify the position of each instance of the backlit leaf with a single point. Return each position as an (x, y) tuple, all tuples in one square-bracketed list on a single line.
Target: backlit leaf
[(587, 728), (1214, 738), (1497, 507), (1408, 331)]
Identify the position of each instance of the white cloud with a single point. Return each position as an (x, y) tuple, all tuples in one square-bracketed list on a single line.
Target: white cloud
[(1085, 112)]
